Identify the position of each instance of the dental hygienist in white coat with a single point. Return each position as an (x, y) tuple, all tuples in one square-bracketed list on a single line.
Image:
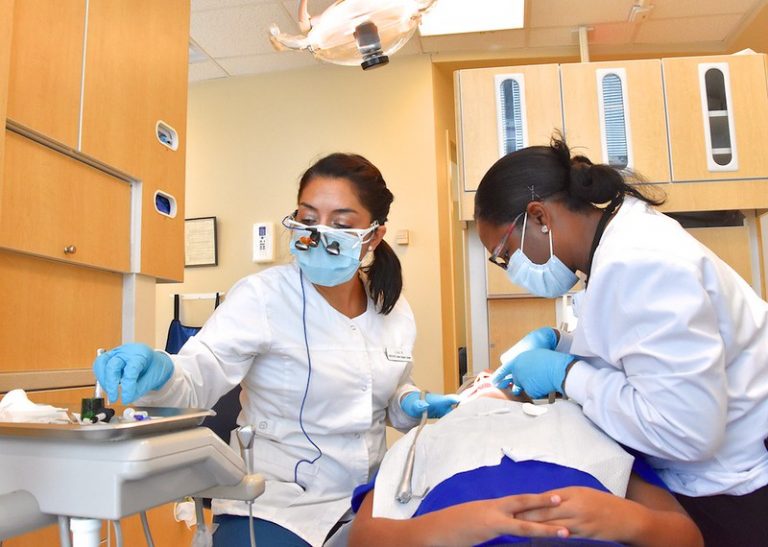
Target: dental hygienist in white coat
[(670, 355), (323, 353)]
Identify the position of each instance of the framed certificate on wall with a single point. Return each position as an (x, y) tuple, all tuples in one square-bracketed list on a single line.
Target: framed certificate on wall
[(200, 244)]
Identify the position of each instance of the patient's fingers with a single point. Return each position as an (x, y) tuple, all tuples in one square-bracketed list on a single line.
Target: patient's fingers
[(528, 502), (514, 506)]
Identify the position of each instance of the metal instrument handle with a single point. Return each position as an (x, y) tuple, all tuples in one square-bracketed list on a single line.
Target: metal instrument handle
[(405, 491)]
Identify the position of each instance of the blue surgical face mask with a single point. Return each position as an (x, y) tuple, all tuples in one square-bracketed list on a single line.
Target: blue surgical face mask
[(550, 280), (323, 268)]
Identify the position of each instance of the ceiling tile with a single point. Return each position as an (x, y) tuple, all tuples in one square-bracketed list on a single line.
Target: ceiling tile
[(558, 13), (665, 9), (557, 36), (315, 8), (238, 31), (713, 28), (207, 70), (476, 41), (270, 62)]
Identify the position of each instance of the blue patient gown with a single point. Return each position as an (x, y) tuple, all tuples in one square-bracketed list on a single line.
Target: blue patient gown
[(510, 478)]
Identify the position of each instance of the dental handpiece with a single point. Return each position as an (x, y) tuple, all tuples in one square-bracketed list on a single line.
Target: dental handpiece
[(245, 436), (405, 491)]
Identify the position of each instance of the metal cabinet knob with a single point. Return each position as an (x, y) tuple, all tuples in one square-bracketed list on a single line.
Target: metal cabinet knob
[(70, 249)]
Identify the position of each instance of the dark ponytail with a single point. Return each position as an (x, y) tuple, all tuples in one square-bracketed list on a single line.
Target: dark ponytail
[(539, 172), (385, 278)]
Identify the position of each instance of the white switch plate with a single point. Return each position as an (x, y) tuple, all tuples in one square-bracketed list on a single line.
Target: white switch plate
[(263, 242)]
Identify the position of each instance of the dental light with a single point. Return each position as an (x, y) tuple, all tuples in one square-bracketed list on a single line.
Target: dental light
[(351, 32)]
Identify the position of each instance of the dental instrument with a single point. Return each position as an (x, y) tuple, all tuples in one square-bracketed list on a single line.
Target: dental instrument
[(405, 491), (99, 392), (245, 436)]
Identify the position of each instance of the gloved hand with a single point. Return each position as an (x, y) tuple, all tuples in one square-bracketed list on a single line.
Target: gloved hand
[(435, 404), (137, 367), (540, 371), (542, 338)]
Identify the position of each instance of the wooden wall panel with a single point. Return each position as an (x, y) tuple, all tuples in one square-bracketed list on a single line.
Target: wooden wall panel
[(510, 319)]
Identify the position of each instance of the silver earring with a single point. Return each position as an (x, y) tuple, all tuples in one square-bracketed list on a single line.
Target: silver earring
[(544, 229)]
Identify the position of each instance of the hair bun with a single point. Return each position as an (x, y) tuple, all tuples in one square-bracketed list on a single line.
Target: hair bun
[(580, 176)]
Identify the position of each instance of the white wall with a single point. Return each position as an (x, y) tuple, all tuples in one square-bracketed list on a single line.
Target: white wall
[(250, 139)]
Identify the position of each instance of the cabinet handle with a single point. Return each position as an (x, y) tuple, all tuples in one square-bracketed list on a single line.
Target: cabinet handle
[(70, 249)]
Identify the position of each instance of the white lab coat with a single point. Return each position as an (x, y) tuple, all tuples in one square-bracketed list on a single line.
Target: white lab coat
[(675, 348), (256, 338)]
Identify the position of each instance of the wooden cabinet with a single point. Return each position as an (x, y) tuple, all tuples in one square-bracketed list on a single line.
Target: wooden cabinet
[(108, 80), (718, 117), (499, 110), (61, 208), (614, 114), (693, 126), (135, 78), (46, 67), (6, 18), (54, 315)]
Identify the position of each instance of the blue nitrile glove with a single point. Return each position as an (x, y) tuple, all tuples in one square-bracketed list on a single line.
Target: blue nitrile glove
[(136, 367), (541, 371), (435, 404), (542, 338)]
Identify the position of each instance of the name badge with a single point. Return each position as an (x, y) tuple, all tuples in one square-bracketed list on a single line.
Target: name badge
[(398, 354)]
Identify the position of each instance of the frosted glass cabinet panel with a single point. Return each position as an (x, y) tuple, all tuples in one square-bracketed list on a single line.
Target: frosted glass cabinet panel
[(614, 113), (500, 110), (511, 113), (718, 117)]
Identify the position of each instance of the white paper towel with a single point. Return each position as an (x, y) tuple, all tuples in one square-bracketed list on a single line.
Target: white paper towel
[(15, 406)]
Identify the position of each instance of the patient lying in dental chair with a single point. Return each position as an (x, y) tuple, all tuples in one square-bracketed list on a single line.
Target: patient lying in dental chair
[(499, 469)]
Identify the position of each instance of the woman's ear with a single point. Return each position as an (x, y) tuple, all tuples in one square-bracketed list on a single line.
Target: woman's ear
[(378, 235), (538, 214)]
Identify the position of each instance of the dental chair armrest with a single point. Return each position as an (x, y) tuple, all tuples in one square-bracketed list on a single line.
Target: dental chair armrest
[(20, 513), (248, 489)]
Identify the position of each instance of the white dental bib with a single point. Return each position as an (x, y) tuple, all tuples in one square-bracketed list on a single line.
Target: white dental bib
[(480, 432)]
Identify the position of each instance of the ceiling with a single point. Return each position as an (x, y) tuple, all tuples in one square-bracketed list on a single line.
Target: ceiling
[(230, 37)]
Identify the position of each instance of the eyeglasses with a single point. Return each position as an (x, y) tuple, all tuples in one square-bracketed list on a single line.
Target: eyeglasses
[(496, 258), (319, 232)]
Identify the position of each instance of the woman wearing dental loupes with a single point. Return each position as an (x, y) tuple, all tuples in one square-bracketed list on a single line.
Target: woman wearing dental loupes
[(323, 354), (670, 354)]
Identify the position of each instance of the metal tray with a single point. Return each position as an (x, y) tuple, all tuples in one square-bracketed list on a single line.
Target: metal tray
[(161, 419)]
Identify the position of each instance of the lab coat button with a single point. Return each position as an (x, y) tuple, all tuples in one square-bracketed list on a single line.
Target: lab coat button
[(357, 435), (263, 425), (364, 388)]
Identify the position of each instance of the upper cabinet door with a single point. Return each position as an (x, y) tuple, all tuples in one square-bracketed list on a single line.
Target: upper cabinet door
[(501, 110), (134, 113), (46, 67), (6, 18), (718, 117), (614, 114)]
